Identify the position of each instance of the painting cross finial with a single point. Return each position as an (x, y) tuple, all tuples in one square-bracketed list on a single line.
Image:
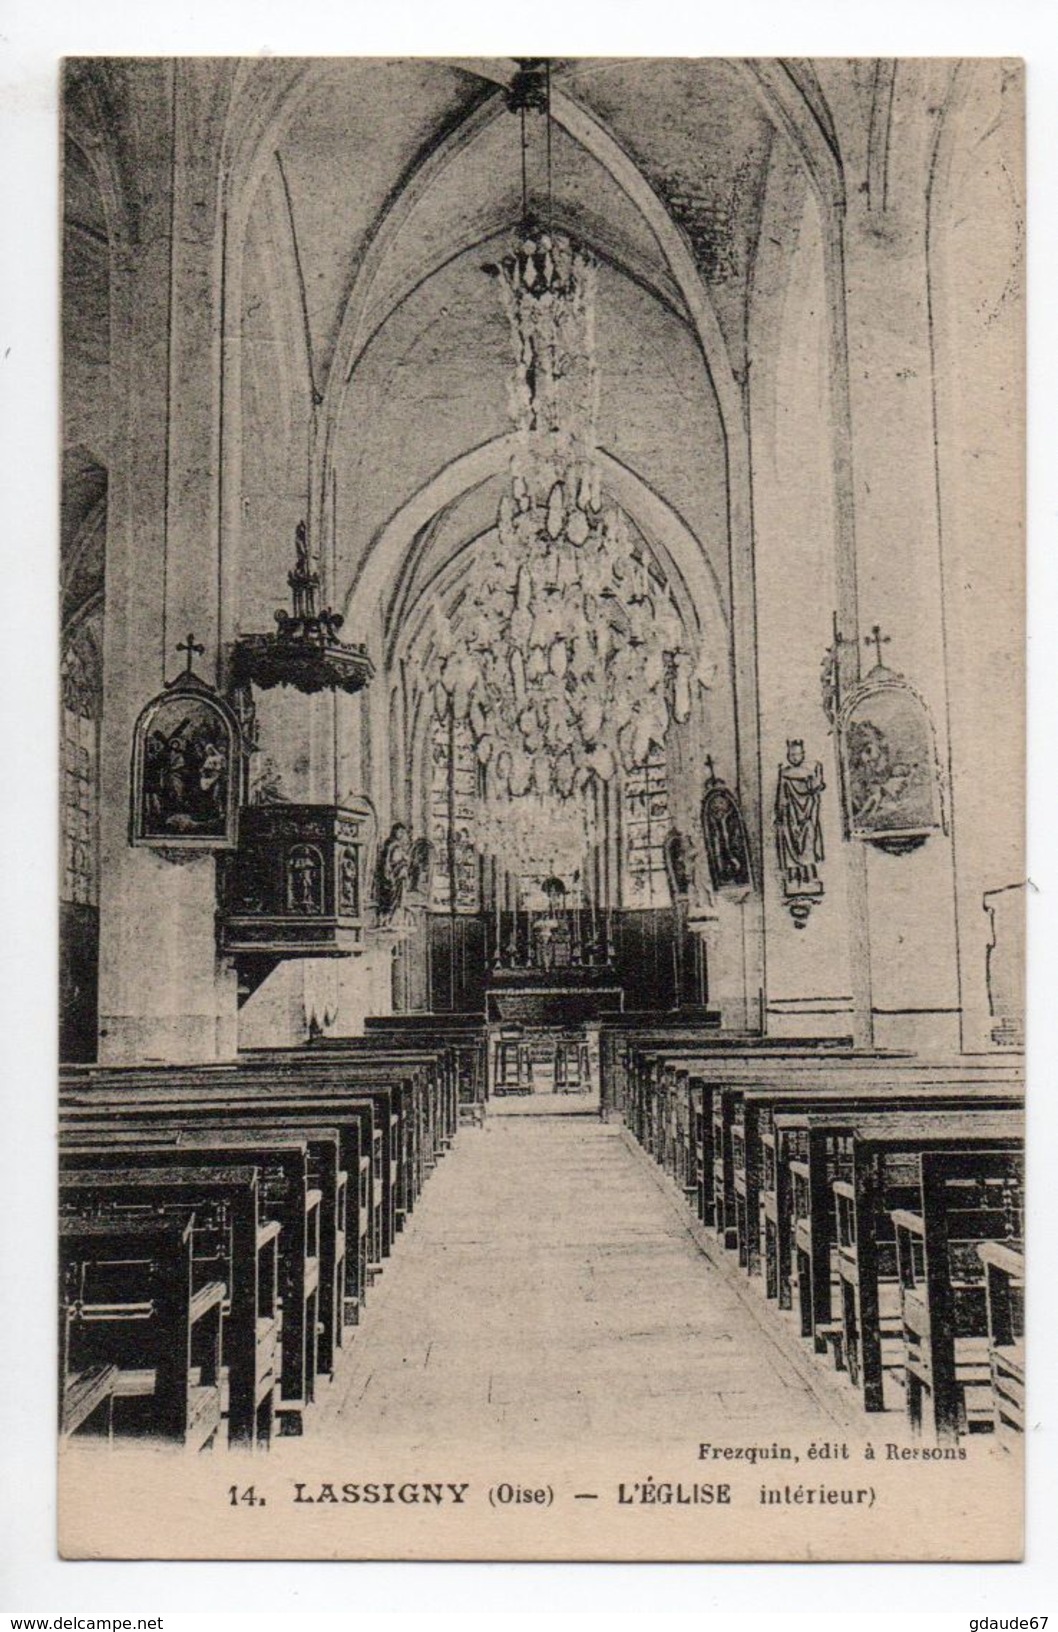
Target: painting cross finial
[(877, 640), (192, 647)]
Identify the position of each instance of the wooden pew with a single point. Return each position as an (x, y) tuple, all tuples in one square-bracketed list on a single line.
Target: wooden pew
[(657, 1065), (138, 1339), (667, 1069), (366, 1160), (684, 1134), (387, 1095), (1005, 1295), (641, 1055), (296, 1077), (325, 1245), (618, 1029), (767, 1175), (700, 1097), (725, 1213), (297, 1086), (427, 1061), (466, 1040), (86, 1404), (676, 1076), (400, 1076), (308, 1083), (845, 1238), (793, 1176), (243, 1254), (737, 1153), (968, 1200), (290, 1200), (435, 1105), (374, 1063), (749, 1088), (316, 1271)]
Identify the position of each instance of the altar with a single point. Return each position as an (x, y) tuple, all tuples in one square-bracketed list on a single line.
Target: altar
[(536, 997), (543, 1028)]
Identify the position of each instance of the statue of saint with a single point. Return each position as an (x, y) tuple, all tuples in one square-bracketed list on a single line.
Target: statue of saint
[(301, 549), (391, 874), (420, 871), (798, 830), (679, 864), (724, 837), (303, 581)]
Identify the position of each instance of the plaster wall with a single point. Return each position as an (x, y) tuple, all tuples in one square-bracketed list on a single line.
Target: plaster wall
[(977, 244)]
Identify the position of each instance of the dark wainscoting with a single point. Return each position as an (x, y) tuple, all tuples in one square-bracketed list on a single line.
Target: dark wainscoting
[(455, 953), (457, 968), (78, 981)]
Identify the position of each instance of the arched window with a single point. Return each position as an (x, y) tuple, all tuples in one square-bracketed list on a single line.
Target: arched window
[(80, 775), (454, 789), (644, 823), (79, 837)]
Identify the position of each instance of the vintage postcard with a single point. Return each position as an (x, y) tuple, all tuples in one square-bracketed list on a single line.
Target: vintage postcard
[(543, 880)]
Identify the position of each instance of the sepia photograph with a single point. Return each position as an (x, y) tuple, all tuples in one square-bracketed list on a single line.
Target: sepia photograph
[(542, 809)]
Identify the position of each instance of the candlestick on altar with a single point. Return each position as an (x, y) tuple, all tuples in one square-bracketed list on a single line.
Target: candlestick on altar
[(498, 956)]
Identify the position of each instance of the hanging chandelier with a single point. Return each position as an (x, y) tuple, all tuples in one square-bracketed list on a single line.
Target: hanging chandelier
[(564, 652)]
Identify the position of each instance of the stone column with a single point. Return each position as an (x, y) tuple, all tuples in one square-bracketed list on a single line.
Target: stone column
[(909, 899), (164, 995)]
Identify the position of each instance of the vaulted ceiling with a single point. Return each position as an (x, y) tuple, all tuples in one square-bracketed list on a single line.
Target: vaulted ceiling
[(391, 184), (375, 353), (430, 147)]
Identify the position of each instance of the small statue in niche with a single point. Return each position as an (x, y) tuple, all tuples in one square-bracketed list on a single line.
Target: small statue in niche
[(420, 872), (799, 831), (267, 786), (391, 873), (679, 864), (724, 837), (349, 879), (305, 880)]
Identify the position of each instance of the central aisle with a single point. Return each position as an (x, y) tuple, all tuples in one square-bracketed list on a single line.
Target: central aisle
[(545, 1292)]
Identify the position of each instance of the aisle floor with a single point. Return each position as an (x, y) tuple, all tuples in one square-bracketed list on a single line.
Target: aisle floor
[(547, 1290)]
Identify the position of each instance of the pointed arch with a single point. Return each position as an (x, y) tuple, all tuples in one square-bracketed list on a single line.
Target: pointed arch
[(793, 99), (388, 566), (590, 134)]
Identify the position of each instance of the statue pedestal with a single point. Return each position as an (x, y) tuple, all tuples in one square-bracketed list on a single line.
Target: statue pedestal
[(799, 899)]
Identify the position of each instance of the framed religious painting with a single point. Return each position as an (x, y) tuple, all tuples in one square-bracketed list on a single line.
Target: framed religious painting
[(187, 770), (892, 781)]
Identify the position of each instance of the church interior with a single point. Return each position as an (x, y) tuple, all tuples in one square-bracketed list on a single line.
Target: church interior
[(542, 878)]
